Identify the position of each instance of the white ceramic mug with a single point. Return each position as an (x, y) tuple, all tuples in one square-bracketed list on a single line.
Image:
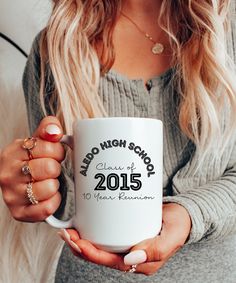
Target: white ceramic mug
[(118, 181)]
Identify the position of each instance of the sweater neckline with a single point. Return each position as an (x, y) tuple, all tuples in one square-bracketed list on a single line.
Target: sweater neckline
[(122, 77)]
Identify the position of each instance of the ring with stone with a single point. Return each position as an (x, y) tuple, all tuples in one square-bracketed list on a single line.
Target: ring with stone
[(26, 170), (29, 144)]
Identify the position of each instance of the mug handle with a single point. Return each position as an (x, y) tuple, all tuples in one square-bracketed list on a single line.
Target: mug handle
[(51, 220)]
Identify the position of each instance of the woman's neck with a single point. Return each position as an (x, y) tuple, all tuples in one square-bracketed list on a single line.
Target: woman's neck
[(140, 8), (134, 57)]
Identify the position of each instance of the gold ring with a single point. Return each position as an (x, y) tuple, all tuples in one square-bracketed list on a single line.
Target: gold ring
[(29, 144), (26, 170), (30, 194), (132, 268)]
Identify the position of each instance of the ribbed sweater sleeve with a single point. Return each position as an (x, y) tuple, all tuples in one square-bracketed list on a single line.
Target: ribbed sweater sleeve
[(212, 206)]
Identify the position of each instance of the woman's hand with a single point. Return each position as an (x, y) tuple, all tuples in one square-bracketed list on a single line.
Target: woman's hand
[(45, 168), (149, 255)]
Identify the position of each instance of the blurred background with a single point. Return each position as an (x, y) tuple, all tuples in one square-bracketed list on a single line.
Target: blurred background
[(29, 252), (20, 21)]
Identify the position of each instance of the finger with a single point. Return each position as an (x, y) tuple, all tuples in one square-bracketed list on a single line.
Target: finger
[(149, 268), (94, 254), (42, 169), (142, 252), (156, 249), (42, 149), (37, 212), (65, 236), (73, 234), (49, 129), (42, 190)]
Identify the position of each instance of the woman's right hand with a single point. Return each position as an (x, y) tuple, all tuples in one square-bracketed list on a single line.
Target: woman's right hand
[(45, 168)]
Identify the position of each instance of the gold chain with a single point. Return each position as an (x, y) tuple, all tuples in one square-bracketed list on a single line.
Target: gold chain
[(157, 48)]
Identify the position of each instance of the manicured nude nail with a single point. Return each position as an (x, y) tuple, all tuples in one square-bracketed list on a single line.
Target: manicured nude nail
[(135, 257), (65, 235), (75, 247), (53, 129)]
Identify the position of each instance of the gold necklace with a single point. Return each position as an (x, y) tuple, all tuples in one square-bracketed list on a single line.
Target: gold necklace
[(157, 48)]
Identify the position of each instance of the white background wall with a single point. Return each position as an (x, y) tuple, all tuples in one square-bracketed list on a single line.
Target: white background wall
[(20, 20), (28, 251)]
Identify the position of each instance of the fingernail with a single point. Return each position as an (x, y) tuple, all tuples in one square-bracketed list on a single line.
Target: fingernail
[(64, 235), (75, 247), (135, 257), (53, 129)]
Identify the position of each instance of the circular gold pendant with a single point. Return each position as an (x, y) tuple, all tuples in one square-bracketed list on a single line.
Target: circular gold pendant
[(157, 48)]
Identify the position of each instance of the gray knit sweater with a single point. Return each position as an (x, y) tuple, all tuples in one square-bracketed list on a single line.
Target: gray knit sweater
[(209, 195)]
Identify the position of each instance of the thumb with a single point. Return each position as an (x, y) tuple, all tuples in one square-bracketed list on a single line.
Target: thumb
[(153, 249), (49, 129), (140, 253)]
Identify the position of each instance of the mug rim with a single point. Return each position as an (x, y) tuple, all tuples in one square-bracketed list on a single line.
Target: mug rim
[(76, 121)]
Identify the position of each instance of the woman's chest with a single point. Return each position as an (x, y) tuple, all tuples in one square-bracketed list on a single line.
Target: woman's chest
[(122, 97)]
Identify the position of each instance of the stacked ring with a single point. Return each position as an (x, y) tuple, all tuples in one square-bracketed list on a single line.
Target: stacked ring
[(26, 170), (29, 144), (30, 194)]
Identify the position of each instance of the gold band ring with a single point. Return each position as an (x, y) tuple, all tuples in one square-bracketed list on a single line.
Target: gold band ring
[(29, 144), (132, 268), (30, 194)]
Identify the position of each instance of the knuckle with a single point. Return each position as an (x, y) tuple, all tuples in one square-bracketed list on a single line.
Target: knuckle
[(58, 200), (9, 198), (52, 168), (4, 155), (60, 152), (5, 197), (48, 148), (5, 178), (17, 214), (6, 162), (48, 209), (162, 254), (53, 186), (179, 245)]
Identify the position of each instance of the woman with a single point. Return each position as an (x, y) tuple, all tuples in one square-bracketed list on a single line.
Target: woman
[(85, 63)]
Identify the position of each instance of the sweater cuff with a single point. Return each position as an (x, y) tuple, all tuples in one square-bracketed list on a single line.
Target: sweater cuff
[(198, 227)]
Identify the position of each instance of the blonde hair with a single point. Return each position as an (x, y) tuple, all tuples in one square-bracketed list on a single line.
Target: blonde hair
[(204, 72)]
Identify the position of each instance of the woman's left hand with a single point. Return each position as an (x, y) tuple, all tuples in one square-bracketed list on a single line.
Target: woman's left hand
[(149, 255)]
